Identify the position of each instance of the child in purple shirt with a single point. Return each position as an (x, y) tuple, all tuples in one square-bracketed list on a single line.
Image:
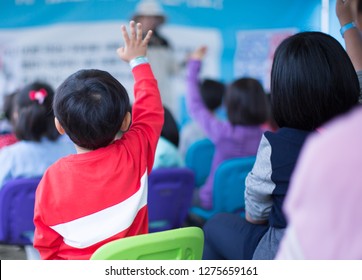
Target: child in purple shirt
[(240, 135)]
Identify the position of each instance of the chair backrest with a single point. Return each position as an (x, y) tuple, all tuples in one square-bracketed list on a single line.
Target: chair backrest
[(169, 197), (176, 244), (199, 159), (229, 184), (17, 198)]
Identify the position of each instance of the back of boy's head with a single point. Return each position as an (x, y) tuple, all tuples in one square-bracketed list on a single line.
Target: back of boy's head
[(312, 81), (32, 115), (170, 128), (91, 105), (212, 93), (246, 102)]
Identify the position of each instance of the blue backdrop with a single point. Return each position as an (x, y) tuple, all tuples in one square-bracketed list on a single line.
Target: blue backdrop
[(228, 16)]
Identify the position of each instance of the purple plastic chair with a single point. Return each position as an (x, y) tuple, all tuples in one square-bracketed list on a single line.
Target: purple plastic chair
[(169, 197), (17, 198)]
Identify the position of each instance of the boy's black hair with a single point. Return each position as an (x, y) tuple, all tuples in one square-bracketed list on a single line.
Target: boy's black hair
[(212, 93), (246, 102), (170, 129), (312, 81), (91, 105), (34, 119)]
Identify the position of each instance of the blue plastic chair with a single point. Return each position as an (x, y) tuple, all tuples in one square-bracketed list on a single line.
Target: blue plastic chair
[(169, 197), (199, 159), (228, 188)]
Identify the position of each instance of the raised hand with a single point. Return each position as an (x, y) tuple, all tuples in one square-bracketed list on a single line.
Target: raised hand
[(344, 11), (134, 44), (199, 53)]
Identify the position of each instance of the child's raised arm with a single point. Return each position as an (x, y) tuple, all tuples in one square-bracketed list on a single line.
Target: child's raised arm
[(147, 110), (134, 46)]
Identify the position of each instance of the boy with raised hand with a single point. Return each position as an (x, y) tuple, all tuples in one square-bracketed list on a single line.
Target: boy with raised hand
[(100, 194)]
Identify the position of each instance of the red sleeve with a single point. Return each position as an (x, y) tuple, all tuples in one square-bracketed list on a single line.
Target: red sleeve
[(147, 111), (46, 240)]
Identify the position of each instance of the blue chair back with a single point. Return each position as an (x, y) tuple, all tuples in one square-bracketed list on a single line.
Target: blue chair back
[(228, 188), (199, 159), (169, 197), (229, 184), (17, 198)]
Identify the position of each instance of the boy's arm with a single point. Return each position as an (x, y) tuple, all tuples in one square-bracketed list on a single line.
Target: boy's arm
[(147, 110)]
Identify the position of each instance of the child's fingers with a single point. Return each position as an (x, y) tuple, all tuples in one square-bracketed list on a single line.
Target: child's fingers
[(147, 38), (139, 32), (125, 35), (132, 30)]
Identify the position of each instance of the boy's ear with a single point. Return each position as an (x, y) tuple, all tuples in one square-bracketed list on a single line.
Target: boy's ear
[(126, 122), (59, 126)]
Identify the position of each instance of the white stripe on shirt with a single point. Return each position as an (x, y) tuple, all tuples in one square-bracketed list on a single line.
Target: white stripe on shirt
[(91, 229)]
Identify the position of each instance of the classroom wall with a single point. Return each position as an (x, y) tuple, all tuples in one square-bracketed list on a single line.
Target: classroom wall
[(50, 39)]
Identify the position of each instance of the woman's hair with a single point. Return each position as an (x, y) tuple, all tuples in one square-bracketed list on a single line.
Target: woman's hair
[(170, 129), (32, 115), (246, 102), (212, 93), (312, 80), (91, 106)]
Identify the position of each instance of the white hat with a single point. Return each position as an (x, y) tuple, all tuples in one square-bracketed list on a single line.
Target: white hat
[(149, 8)]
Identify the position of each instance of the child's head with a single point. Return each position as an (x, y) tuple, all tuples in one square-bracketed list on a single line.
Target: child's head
[(170, 128), (246, 102), (212, 93), (91, 107), (32, 115), (312, 80)]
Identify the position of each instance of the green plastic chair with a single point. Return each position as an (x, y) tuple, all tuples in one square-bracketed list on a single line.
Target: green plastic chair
[(176, 244)]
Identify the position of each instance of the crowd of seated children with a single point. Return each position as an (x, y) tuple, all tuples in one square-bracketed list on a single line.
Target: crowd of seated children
[(40, 144), (312, 81)]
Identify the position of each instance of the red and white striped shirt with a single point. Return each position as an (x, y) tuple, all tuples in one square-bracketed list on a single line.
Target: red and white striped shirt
[(86, 200)]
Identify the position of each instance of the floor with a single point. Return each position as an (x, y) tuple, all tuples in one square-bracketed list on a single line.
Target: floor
[(8, 252)]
